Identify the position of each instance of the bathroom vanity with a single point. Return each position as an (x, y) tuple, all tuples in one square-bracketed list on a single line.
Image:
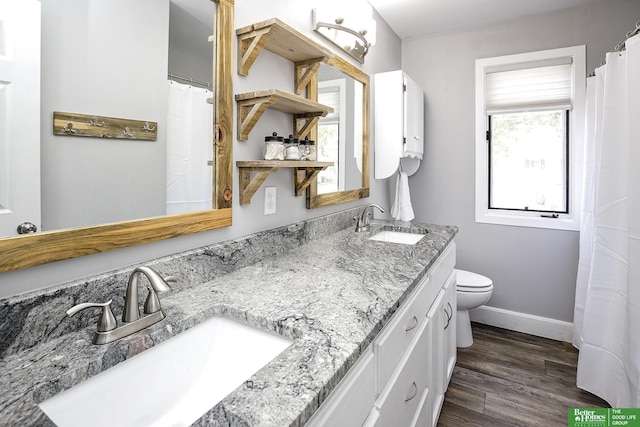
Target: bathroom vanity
[(401, 378), (370, 324)]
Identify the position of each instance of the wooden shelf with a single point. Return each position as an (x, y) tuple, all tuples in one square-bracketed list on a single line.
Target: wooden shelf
[(304, 172), (279, 38), (252, 105)]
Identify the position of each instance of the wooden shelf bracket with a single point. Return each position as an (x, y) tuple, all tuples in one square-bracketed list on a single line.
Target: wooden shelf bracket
[(249, 112), (303, 177), (304, 172), (305, 71), (249, 185), (277, 37), (304, 124), (252, 105), (249, 47)]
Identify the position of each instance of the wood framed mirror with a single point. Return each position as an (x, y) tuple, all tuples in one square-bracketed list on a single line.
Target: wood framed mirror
[(343, 136), (48, 246)]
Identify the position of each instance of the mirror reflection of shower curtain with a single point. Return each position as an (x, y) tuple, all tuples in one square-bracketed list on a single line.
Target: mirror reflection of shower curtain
[(189, 148)]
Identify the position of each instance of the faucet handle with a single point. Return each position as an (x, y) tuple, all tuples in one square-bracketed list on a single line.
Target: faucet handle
[(152, 303), (107, 320)]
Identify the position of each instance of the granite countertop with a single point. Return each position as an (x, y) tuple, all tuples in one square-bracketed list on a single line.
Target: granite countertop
[(332, 296)]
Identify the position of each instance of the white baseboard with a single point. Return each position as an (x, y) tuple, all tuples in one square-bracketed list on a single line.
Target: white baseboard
[(521, 322)]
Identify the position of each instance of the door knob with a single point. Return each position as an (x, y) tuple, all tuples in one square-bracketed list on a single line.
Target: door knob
[(27, 228)]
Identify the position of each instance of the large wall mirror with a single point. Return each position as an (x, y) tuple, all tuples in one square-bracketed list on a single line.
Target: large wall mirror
[(343, 136), (123, 59)]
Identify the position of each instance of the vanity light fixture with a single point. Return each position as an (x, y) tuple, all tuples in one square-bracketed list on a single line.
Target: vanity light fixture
[(349, 25)]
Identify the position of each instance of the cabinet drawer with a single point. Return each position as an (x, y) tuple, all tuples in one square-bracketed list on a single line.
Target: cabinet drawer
[(443, 266), (351, 401), (423, 416), (392, 343), (401, 399)]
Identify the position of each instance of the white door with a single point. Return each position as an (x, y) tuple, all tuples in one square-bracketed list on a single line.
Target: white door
[(19, 114)]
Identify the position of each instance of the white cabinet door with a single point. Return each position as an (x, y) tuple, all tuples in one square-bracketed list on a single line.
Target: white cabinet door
[(437, 317), (413, 119), (398, 121), (388, 122), (450, 347), (19, 114), (443, 317)]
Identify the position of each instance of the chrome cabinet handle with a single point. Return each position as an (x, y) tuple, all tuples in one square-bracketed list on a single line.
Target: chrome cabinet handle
[(449, 316), (413, 393), (412, 326), (107, 320)]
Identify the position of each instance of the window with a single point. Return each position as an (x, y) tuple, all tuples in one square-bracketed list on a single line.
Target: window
[(529, 128), (520, 147)]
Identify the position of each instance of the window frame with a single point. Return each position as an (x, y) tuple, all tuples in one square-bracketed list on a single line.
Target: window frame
[(523, 218), (340, 86)]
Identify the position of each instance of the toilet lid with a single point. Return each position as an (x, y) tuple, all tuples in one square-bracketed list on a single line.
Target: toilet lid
[(469, 282)]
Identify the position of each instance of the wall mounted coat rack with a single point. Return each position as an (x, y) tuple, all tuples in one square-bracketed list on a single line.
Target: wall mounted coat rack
[(72, 124)]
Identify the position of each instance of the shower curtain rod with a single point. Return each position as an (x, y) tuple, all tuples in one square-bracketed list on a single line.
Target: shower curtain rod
[(621, 45), (190, 80)]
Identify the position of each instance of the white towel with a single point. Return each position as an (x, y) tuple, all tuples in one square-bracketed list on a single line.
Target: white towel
[(402, 208)]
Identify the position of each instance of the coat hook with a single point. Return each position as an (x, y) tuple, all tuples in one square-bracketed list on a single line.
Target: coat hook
[(94, 122), (127, 132), (148, 127), (69, 128)]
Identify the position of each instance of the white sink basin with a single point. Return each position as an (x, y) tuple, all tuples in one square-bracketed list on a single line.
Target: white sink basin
[(171, 384), (397, 237)]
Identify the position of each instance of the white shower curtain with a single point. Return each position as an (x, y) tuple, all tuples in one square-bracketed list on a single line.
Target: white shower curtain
[(607, 308), (189, 148)]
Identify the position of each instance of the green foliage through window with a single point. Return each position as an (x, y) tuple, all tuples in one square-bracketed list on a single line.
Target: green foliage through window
[(528, 165)]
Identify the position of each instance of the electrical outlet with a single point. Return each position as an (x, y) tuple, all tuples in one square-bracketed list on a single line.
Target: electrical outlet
[(269, 200)]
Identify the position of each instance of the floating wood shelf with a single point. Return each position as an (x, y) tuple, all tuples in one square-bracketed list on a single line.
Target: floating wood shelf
[(279, 38), (252, 105), (304, 172)]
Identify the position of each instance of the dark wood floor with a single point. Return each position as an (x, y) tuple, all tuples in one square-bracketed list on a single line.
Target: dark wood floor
[(511, 379)]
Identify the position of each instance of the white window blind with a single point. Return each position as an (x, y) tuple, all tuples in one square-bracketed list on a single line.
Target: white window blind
[(528, 89), (331, 98)]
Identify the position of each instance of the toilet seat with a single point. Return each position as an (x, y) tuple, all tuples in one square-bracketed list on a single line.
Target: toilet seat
[(472, 282)]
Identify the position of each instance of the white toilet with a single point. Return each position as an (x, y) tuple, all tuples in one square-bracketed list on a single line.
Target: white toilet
[(473, 290)]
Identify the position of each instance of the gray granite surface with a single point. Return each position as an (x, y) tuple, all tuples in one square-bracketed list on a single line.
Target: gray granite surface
[(331, 295)]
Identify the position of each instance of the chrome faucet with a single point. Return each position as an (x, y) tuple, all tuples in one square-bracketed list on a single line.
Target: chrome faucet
[(362, 223), (109, 329)]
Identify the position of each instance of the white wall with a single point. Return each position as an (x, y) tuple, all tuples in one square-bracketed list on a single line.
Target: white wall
[(269, 71), (190, 52), (533, 270)]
